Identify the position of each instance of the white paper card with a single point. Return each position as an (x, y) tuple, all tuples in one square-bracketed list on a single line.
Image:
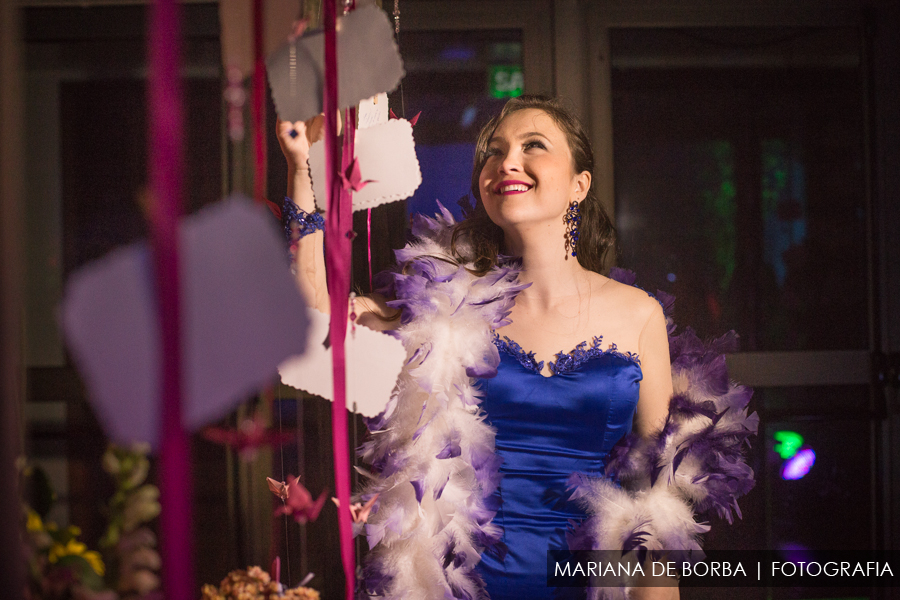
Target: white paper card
[(374, 361), (372, 111), (368, 64), (386, 154), (242, 314)]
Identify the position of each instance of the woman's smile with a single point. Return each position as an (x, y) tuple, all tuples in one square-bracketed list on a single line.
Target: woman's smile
[(512, 187)]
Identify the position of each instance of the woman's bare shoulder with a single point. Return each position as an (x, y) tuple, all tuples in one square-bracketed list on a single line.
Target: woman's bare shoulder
[(626, 301), (629, 294)]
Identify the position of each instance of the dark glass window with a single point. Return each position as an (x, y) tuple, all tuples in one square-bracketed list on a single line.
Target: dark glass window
[(739, 183), (458, 80)]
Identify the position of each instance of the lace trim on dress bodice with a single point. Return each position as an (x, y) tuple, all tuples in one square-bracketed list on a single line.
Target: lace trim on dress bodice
[(565, 362)]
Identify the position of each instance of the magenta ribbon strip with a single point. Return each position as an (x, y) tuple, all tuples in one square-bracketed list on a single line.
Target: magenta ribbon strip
[(258, 105), (369, 245), (337, 260), (165, 191), (260, 170)]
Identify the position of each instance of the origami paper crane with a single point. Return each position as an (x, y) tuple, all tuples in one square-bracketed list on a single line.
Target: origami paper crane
[(249, 437), (359, 512), (299, 503), (386, 154)]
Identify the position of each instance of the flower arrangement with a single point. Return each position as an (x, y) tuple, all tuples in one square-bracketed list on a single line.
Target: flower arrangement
[(134, 504), (61, 567), (254, 584)]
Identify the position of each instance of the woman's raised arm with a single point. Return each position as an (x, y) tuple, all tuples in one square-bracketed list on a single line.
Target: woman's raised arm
[(295, 140)]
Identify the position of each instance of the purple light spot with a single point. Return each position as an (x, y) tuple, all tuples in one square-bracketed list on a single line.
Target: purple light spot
[(468, 117), (799, 465), (458, 54)]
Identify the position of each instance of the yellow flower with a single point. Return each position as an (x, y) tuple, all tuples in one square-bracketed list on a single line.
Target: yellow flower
[(76, 548), (34, 522), (96, 562)]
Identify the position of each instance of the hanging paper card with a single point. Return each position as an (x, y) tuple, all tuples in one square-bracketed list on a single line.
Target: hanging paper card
[(372, 111), (386, 155), (242, 315), (374, 361), (368, 64)]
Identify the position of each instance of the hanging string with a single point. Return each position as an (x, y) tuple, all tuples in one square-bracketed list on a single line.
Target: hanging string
[(165, 188), (287, 552), (397, 37)]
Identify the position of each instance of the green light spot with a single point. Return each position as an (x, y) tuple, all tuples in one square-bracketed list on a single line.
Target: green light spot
[(787, 443), (506, 81)]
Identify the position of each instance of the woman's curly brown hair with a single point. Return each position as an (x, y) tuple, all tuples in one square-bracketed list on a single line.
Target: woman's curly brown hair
[(485, 239)]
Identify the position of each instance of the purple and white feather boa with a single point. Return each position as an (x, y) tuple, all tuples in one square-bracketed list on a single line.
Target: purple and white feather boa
[(432, 455), (693, 465)]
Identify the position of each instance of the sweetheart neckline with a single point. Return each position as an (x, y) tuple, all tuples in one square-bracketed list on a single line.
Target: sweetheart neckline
[(566, 362)]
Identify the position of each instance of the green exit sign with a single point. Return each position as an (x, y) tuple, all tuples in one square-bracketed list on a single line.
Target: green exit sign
[(506, 81)]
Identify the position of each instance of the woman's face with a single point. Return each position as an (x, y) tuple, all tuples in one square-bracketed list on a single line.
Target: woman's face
[(528, 177)]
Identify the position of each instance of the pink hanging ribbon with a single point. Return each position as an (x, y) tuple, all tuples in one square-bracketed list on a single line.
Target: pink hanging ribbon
[(369, 245), (260, 171), (258, 105), (337, 260), (165, 190)]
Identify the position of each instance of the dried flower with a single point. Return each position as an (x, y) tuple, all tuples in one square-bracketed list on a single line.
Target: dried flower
[(254, 584)]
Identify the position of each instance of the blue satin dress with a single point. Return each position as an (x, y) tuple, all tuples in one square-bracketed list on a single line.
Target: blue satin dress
[(547, 429)]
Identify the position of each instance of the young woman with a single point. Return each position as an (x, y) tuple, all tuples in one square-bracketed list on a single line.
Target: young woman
[(523, 372)]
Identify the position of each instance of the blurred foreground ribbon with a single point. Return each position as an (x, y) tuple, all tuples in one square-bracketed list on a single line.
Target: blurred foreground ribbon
[(337, 260), (165, 188)]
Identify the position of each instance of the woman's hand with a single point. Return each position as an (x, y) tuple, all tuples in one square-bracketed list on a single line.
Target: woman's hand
[(296, 138)]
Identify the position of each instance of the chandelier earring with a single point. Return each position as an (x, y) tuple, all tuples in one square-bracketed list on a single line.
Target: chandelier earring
[(572, 220)]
